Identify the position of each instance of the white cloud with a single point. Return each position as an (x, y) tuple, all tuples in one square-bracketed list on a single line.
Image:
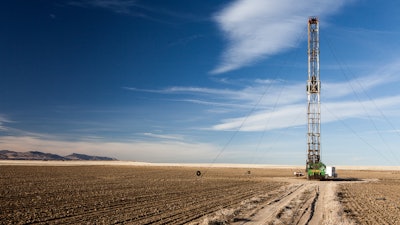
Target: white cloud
[(264, 94), (295, 115), (288, 109), (388, 74), (257, 28), (3, 120), (265, 120), (163, 136), (334, 111)]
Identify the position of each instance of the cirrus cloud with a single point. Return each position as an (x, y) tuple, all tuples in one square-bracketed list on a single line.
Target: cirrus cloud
[(256, 29)]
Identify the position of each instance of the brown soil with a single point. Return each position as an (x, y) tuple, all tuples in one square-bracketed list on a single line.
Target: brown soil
[(124, 194), (176, 195), (376, 201)]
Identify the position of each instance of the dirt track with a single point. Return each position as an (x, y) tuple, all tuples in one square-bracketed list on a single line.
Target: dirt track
[(175, 195), (300, 202)]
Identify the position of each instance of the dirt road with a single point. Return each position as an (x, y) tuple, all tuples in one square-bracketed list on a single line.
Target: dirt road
[(300, 202)]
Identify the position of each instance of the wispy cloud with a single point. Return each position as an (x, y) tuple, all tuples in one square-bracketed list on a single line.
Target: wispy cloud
[(294, 114), (164, 136), (249, 94), (118, 6), (276, 104), (138, 9), (265, 120), (214, 94), (3, 120), (265, 92), (256, 29), (292, 104)]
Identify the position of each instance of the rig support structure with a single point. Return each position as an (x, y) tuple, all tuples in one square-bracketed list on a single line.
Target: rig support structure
[(315, 168)]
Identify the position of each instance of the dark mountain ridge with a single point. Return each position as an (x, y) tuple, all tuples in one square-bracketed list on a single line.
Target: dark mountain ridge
[(36, 155)]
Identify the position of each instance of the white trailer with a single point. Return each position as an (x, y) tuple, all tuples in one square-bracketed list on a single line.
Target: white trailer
[(330, 172), (298, 174)]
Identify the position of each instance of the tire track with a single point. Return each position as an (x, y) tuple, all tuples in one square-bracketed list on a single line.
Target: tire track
[(303, 203), (268, 213)]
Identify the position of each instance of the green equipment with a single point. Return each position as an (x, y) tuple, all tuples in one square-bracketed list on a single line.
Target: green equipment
[(316, 171)]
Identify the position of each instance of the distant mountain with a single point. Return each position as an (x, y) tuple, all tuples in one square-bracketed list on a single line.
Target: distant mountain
[(36, 155), (76, 156)]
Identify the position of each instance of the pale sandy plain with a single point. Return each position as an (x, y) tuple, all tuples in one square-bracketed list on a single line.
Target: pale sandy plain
[(121, 192)]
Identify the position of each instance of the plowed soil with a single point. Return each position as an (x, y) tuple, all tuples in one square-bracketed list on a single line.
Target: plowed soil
[(374, 201), (176, 195), (112, 194)]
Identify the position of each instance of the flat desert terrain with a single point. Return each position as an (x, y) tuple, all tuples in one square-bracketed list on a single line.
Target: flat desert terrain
[(101, 193)]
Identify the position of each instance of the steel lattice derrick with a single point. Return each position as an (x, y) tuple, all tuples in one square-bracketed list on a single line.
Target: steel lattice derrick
[(313, 94)]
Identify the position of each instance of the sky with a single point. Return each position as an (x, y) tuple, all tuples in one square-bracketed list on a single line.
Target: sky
[(199, 81)]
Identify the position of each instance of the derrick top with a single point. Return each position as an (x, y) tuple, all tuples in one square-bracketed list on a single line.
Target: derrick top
[(313, 20)]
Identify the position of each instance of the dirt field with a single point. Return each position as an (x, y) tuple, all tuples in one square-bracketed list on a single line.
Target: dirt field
[(374, 202), (176, 195)]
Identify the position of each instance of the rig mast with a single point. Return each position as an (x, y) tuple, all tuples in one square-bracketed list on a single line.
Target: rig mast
[(314, 165)]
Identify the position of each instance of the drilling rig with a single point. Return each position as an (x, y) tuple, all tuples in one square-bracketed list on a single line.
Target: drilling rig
[(315, 169)]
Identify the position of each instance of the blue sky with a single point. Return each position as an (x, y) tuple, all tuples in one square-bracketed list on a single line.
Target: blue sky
[(199, 81)]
